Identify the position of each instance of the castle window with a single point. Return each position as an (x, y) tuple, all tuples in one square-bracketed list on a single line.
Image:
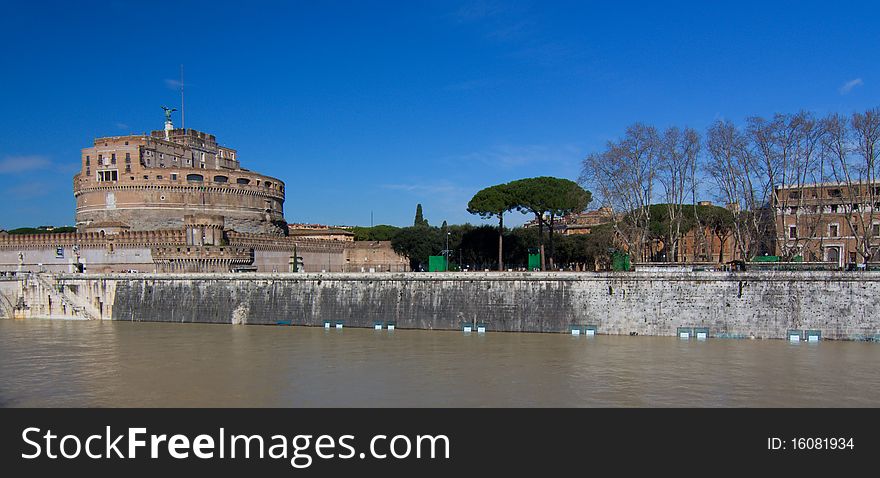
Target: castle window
[(127, 168), (146, 177), (221, 179), (88, 160), (127, 157), (835, 193), (126, 143), (792, 232), (174, 176), (195, 177), (833, 230), (267, 184), (104, 176), (113, 158), (876, 229), (794, 195), (159, 177), (243, 181)]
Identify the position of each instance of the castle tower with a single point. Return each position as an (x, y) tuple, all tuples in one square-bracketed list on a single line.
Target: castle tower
[(150, 182)]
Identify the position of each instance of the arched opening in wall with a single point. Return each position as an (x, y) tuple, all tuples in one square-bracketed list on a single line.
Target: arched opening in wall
[(221, 179), (195, 177), (267, 184), (243, 181)]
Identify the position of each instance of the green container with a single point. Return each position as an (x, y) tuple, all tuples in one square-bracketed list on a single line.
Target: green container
[(436, 264), (534, 262), (765, 259), (620, 262)]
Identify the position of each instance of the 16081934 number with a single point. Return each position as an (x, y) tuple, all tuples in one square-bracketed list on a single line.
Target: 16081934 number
[(817, 443)]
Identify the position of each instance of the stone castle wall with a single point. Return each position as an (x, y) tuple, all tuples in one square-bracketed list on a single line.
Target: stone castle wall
[(155, 182), (147, 205), (755, 304), (140, 251)]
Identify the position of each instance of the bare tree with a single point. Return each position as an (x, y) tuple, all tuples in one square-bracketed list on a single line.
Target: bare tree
[(623, 176), (852, 147), (770, 145), (677, 159), (791, 143), (731, 168)]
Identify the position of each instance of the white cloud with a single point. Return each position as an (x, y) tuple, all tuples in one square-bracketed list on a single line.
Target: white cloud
[(172, 84), (478, 10), (427, 188), (441, 200), (19, 164), (849, 85), (30, 190), (514, 156)]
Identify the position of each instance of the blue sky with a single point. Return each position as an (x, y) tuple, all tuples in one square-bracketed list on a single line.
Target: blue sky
[(377, 106)]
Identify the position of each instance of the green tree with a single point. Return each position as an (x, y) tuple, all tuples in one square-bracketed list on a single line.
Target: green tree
[(494, 201), (382, 232), (720, 221), (518, 244), (417, 243), (717, 220), (548, 198), (36, 230), (419, 220), (477, 245)]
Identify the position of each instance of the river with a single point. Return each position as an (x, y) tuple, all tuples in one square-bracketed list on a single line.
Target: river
[(55, 363)]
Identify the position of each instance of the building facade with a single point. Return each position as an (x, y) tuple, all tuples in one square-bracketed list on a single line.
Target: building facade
[(828, 222)]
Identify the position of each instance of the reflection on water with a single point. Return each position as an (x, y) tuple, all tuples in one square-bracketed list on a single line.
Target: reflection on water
[(121, 364)]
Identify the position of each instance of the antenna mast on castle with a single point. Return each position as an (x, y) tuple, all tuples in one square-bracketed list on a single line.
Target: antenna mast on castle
[(182, 109)]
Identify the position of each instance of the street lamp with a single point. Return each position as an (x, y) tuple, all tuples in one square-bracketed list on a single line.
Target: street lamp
[(447, 248)]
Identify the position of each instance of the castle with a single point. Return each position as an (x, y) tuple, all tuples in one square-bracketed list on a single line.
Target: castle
[(148, 183), (177, 201)]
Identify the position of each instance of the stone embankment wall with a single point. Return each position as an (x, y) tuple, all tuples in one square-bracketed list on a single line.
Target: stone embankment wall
[(10, 290), (842, 305)]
